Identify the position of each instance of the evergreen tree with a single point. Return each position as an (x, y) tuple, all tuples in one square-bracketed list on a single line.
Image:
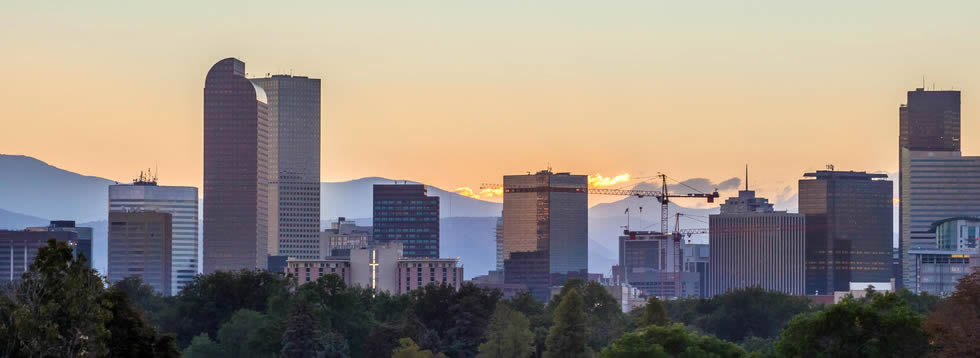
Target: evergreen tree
[(654, 313), (302, 337), (507, 335), (568, 337), (335, 346)]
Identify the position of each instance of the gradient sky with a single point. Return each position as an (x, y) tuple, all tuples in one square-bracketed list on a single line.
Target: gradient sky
[(456, 93)]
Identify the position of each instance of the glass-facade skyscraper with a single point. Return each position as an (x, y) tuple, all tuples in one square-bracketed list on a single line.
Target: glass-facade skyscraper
[(848, 229), (547, 212), (237, 155), (181, 203), (936, 181), (294, 165), (403, 212)]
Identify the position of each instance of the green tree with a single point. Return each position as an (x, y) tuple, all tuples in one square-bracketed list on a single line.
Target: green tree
[(209, 300), (131, 335), (670, 341), (341, 309), (606, 320), (568, 337), (408, 349), (954, 324), (654, 313), (884, 327), (302, 337), (159, 310), (335, 346), (241, 334), (507, 335), (203, 347), (738, 314), (58, 308)]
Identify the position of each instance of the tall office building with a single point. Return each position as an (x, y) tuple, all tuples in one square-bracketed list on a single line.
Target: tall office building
[(237, 148), (548, 212), (84, 243), (294, 165), (140, 246), (848, 229), (181, 203), (403, 212), (19, 248), (753, 245), (936, 181)]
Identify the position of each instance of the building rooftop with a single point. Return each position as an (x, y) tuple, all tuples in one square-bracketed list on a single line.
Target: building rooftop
[(834, 174)]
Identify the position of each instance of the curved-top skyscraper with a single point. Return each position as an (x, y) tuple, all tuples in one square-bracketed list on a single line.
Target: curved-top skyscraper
[(237, 139)]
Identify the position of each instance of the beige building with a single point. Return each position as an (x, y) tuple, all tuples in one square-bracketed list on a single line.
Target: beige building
[(140, 245)]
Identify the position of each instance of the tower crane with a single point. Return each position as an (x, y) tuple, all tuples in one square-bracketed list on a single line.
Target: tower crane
[(663, 195)]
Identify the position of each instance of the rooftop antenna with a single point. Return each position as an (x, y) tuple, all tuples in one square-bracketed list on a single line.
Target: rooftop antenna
[(830, 167), (923, 81), (746, 177)]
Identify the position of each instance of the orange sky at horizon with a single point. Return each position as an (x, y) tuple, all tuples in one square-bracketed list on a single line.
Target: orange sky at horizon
[(462, 93)]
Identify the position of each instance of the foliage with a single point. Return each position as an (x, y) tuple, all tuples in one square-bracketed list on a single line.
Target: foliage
[(884, 327), (654, 313), (605, 317), (131, 335), (335, 346), (57, 309), (670, 341), (954, 324), (302, 337), (738, 314), (923, 303), (209, 300), (453, 321), (508, 335), (203, 347), (408, 349), (568, 336), (157, 308), (762, 347)]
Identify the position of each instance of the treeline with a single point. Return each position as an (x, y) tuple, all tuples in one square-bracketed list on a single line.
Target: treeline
[(62, 309)]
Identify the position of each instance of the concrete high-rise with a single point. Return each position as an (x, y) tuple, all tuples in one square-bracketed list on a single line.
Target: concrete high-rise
[(181, 202), (753, 245), (548, 212), (237, 147), (848, 229), (936, 181), (140, 246), (403, 212), (294, 165)]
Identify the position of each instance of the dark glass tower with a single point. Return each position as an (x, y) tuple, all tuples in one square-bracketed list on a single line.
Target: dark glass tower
[(403, 212), (933, 175), (237, 134), (848, 229)]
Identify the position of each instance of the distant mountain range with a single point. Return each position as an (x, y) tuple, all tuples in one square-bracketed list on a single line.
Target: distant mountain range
[(32, 192)]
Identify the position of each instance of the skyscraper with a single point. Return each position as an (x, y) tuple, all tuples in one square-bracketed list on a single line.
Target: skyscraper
[(403, 212), (548, 212), (848, 229), (753, 245), (140, 246), (936, 182), (181, 202), (237, 135), (294, 166)]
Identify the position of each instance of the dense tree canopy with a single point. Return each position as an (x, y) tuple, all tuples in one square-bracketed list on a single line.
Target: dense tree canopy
[(954, 326), (568, 336), (738, 314), (508, 335), (670, 341), (883, 327)]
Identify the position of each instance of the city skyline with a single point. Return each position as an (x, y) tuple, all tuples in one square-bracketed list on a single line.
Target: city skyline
[(441, 90)]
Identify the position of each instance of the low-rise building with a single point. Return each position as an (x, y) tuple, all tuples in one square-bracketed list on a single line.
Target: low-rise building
[(343, 236), (382, 268), (19, 248)]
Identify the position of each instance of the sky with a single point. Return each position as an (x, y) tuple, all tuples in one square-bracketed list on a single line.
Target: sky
[(458, 93)]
